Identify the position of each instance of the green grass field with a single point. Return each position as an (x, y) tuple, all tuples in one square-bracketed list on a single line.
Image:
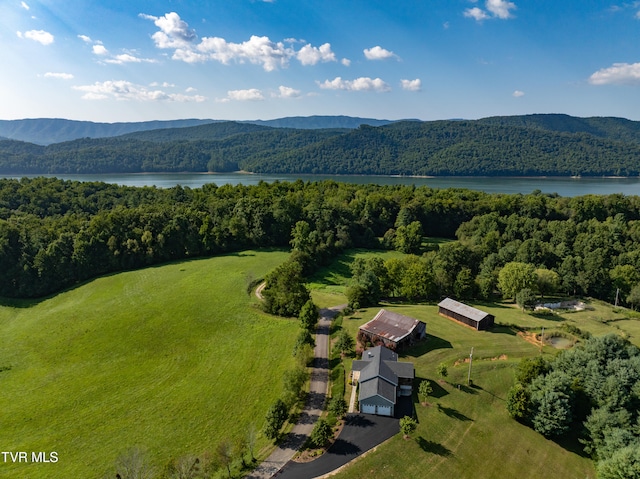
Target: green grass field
[(467, 432), (171, 359)]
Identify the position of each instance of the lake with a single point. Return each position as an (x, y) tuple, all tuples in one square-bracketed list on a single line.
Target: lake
[(563, 186)]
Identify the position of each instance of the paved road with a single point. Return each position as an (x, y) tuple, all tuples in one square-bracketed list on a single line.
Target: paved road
[(315, 403), (360, 433)]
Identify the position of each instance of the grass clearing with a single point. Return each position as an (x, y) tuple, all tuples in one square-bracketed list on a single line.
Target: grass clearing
[(328, 284), (172, 358), (467, 432)]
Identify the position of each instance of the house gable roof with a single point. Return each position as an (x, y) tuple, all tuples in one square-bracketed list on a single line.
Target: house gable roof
[(463, 309), (377, 387), (390, 325), (379, 373)]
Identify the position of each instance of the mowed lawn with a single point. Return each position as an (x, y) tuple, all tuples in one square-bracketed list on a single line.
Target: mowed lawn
[(172, 359), (467, 432)]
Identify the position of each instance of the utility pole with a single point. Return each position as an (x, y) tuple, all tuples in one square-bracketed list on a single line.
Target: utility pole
[(470, 361), (617, 294)]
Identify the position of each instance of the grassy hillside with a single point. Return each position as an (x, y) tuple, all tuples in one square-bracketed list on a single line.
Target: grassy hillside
[(172, 359), (467, 432)]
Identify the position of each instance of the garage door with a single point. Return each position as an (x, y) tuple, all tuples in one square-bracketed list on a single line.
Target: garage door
[(384, 410), (368, 408)]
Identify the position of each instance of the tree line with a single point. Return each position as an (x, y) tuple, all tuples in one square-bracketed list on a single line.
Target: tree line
[(55, 233)]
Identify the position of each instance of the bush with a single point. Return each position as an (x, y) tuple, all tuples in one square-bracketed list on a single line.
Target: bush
[(408, 425), (337, 406), (518, 402), (321, 433)]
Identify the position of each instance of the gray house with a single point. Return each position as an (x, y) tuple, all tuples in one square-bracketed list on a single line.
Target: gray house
[(381, 380)]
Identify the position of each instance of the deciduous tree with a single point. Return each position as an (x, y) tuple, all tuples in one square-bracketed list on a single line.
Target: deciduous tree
[(408, 425), (514, 277), (275, 418)]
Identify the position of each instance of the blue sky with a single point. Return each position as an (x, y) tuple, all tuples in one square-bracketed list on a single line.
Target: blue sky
[(130, 60)]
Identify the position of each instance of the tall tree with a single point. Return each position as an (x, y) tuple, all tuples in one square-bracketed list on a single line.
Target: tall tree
[(514, 277), (275, 419), (408, 239), (285, 293)]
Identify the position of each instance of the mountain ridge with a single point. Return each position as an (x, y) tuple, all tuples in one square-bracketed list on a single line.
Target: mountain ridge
[(47, 131)]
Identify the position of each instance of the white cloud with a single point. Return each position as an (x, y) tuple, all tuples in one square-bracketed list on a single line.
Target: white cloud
[(517, 94), (637, 15), (128, 58), (494, 9), (411, 85), (501, 8), (174, 32), (309, 55), (190, 89), (259, 50), (40, 36), (618, 73), (252, 94), (476, 13), (100, 50), (62, 76), (346, 62), (24, 5), (378, 53), (124, 90), (359, 84), (287, 92), (85, 38)]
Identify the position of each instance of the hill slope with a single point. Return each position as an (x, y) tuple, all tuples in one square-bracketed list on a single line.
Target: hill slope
[(171, 359), (501, 146), (603, 127), (44, 131)]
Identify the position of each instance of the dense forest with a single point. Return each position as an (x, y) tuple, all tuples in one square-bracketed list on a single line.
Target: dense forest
[(593, 389), (54, 234), (534, 145)]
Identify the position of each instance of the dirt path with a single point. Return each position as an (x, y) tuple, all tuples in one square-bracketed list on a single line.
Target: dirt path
[(259, 290)]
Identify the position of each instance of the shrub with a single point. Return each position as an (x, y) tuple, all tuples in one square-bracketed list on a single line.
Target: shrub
[(321, 433)]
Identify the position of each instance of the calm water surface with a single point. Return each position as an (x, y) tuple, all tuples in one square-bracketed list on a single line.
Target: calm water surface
[(562, 186)]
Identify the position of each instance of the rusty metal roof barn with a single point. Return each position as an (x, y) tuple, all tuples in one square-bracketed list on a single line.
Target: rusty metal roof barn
[(388, 326)]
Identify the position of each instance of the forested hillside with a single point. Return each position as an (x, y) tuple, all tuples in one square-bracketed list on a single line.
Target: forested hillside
[(603, 127), (551, 145), (44, 131)]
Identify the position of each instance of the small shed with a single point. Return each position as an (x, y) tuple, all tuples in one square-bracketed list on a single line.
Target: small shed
[(392, 330), (465, 314)]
